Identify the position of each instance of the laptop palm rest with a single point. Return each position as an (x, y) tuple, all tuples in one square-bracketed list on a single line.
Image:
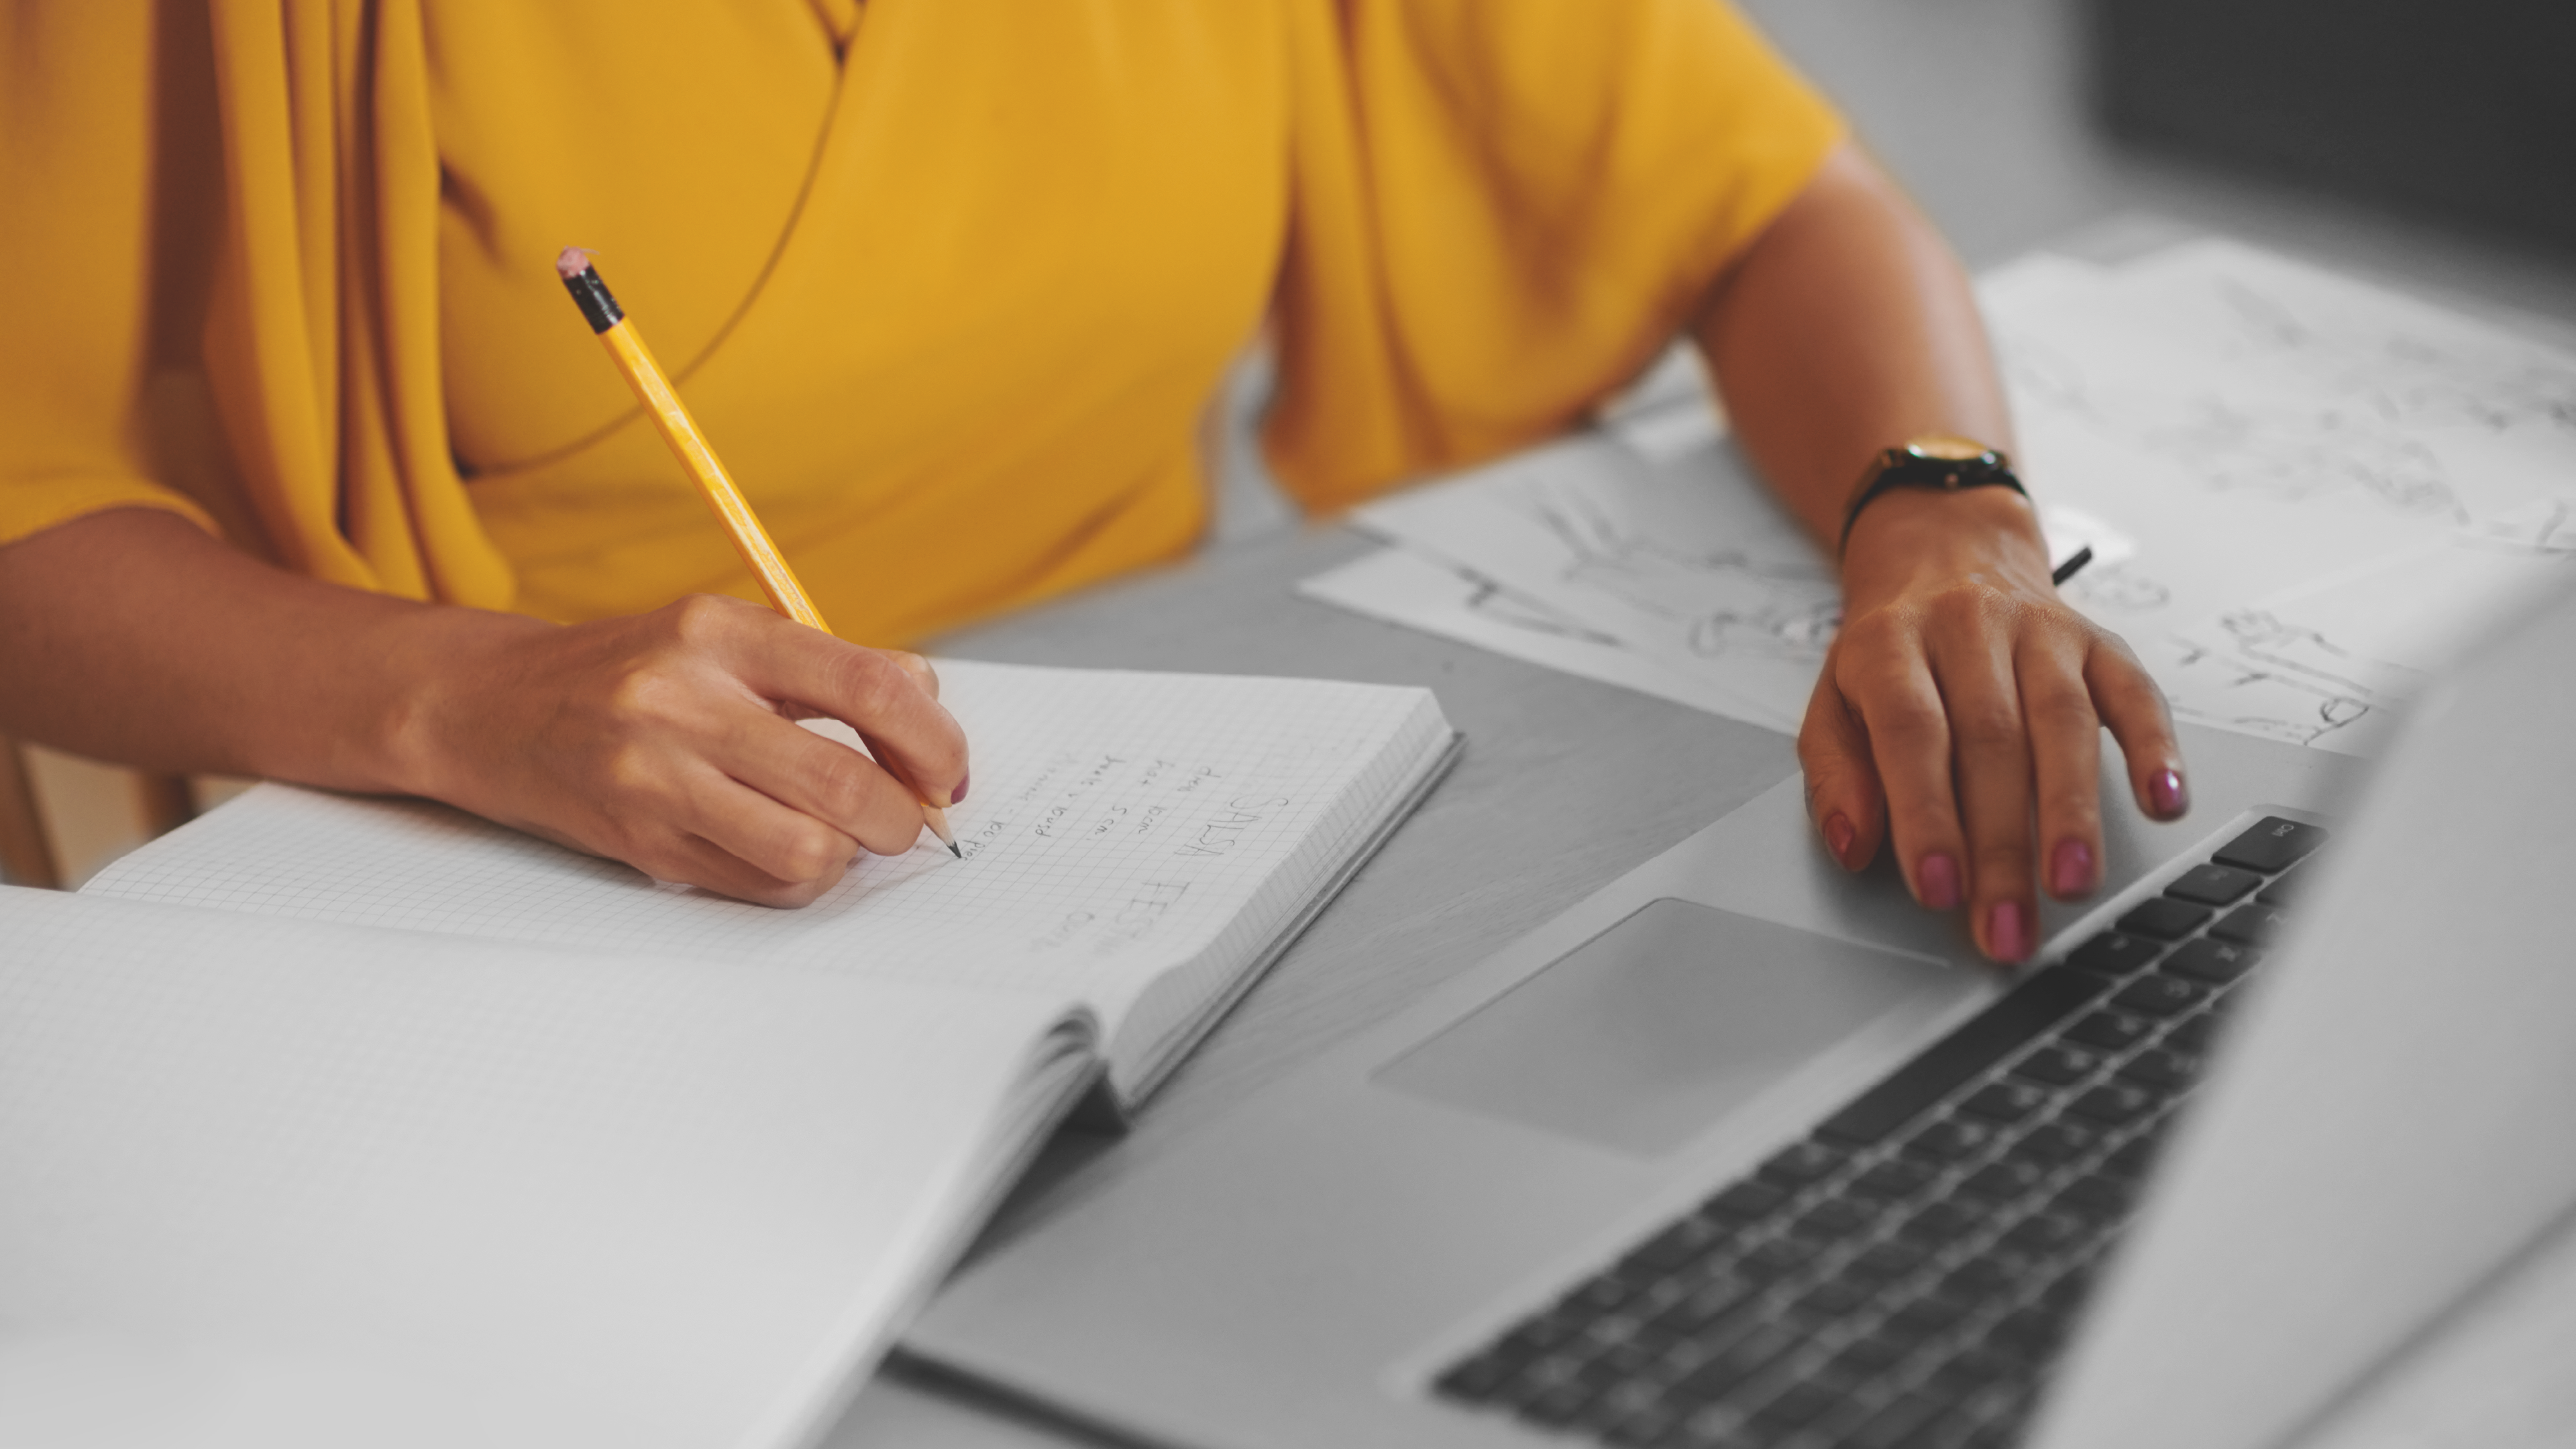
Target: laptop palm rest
[(1640, 1038)]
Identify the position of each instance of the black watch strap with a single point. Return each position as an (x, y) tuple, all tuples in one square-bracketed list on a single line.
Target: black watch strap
[(1944, 465)]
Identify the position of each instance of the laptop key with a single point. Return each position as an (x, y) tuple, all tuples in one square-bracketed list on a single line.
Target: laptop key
[(1680, 1243), (1835, 1297), (2038, 1003), (1737, 1362), (2034, 1333), (1744, 1202), (1796, 1405), (2130, 1159), (2271, 846), (1801, 1163), (2058, 1064), (2042, 1231), (1478, 1378), (1775, 1259), (1896, 1423), (1949, 1139), (2159, 995), (1892, 1179), (2005, 1101), (2114, 954), (2051, 1143), (1833, 1220), (2213, 885), (1985, 1275), (2164, 918), (2098, 1196), (2254, 925), (2115, 1104), (1885, 1262), (2109, 1031), (1975, 1368), (1704, 1312), (2160, 1070), (1871, 1356), (1534, 1338), (2213, 962), (2002, 1180), (2193, 1034), (1926, 1317), (1940, 1222)]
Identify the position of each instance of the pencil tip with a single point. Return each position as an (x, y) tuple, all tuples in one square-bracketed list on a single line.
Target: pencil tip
[(953, 850), (571, 262)]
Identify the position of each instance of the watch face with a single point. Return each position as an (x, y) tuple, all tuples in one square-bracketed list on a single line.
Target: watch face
[(1946, 448)]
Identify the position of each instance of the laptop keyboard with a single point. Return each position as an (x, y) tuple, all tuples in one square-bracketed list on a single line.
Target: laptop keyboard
[(1903, 1276)]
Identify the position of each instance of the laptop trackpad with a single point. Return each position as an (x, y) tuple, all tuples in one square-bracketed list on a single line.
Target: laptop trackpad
[(1643, 1036)]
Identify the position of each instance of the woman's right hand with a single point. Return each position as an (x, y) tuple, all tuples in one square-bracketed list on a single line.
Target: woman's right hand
[(668, 741)]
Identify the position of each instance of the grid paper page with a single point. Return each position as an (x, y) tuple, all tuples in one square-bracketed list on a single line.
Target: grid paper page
[(290, 1183), (1121, 822)]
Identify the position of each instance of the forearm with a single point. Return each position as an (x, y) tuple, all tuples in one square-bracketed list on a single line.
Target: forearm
[(1958, 711), (1846, 328), (665, 740), (133, 636)]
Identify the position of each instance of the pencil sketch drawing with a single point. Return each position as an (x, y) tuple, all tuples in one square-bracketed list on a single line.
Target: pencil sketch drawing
[(1721, 601)]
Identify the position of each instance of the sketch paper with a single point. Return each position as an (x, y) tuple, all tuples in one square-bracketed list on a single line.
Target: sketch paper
[(2332, 662), (1685, 562), (1403, 587), (2234, 434), (2261, 428), (1645, 551)]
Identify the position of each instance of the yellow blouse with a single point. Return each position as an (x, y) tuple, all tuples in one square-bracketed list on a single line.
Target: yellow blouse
[(947, 282)]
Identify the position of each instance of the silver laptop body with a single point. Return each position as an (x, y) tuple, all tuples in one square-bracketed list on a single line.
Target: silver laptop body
[(2388, 1120)]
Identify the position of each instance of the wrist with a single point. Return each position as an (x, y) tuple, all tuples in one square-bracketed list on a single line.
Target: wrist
[(438, 668), (1917, 535)]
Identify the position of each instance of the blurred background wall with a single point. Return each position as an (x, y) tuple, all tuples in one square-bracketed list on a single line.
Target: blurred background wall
[(2457, 112)]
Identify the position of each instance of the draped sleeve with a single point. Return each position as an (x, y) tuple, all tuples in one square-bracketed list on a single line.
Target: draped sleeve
[(223, 292), (87, 162), (1501, 209)]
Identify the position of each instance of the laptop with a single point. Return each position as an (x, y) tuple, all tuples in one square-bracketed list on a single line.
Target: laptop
[(1741, 1151)]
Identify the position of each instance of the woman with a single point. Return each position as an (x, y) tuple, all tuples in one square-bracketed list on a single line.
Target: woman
[(307, 471)]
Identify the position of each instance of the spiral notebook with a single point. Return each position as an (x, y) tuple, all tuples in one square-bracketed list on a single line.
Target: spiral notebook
[(330, 1120), (1140, 843)]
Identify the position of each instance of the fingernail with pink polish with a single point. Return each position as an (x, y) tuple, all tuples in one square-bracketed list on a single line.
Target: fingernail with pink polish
[(2007, 933), (959, 794), (1838, 837), (1937, 881), (2165, 791), (2070, 868)]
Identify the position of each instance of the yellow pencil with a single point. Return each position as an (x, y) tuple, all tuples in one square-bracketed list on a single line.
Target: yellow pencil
[(678, 429)]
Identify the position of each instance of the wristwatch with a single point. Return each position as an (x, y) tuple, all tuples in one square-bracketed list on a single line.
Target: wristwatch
[(1933, 461)]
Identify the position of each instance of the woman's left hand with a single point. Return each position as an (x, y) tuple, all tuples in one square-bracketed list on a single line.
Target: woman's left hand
[(1960, 712)]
